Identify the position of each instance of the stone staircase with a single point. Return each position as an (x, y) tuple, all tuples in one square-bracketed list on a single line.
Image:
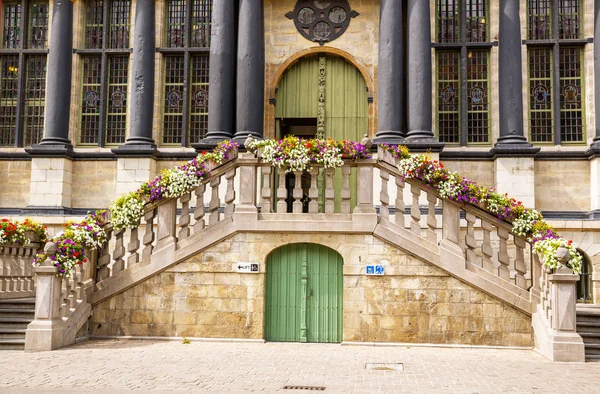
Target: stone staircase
[(588, 326), (15, 315)]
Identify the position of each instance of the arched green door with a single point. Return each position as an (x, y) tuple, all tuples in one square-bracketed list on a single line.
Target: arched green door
[(324, 96), (304, 294)]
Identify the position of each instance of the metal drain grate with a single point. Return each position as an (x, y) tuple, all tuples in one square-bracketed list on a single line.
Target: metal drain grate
[(310, 388), (385, 366)]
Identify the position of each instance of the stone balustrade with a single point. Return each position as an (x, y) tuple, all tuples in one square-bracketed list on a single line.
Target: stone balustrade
[(248, 195), (16, 270)]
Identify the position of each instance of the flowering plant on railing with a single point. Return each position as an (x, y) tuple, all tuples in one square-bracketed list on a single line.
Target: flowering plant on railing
[(526, 222), (127, 210), (17, 233), (294, 154), (72, 241)]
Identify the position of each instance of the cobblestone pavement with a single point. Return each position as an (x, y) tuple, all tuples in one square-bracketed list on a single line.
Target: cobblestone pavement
[(124, 365)]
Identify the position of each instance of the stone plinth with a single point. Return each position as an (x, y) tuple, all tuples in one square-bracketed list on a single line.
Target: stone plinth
[(132, 172), (516, 176), (51, 182)]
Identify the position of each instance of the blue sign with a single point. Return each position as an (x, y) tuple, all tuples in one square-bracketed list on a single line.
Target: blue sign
[(375, 270)]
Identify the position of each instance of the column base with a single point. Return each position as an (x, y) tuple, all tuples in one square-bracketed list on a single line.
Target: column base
[(241, 136), (420, 142), (132, 150), (210, 142), (513, 150), (389, 137), (54, 148)]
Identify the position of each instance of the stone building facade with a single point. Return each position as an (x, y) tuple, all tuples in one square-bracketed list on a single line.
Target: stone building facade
[(99, 96)]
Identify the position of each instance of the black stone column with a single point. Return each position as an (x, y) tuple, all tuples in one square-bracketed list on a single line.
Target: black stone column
[(389, 86), (58, 88), (419, 75), (596, 144), (510, 72), (141, 94), (250, 103), (221, 99)]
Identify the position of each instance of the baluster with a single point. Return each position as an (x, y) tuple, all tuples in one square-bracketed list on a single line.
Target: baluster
[(329, 190), (80, 290), (486, 246), (431, 219), (118, 253), (400, 206), (184, 219), (230, 193), (281, 193), (346, 195), (415, 212), (215, 202), (384, 197), (313, 192), (520, 267), (105, 258), (200, 211), (66, 290), (149, 217), (132, 247), (536, 274), (297, 192), (470, 239), (266, 205), (503, 269)]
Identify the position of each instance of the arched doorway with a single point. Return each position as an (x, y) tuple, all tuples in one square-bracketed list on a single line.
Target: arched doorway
[(304, 294), (323, 96), (584, 285)]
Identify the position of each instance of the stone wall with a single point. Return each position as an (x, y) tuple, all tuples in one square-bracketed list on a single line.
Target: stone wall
[(414, 302), (94, 183), (562, 185), (15, 178)]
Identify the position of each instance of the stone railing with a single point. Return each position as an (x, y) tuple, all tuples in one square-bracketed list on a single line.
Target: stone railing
[(555, 313), (61, 307), (16, 270), (248, 195)]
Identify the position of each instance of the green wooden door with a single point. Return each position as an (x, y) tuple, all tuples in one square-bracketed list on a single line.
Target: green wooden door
[(304, 294)]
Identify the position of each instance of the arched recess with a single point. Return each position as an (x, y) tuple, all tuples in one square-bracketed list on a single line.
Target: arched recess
[(304, 294), (585, 290), (274, 82)]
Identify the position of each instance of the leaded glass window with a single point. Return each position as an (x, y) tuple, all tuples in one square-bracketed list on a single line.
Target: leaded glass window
[(185, 71), (463, 72), (23, 72), (556, 109), (105, 69)]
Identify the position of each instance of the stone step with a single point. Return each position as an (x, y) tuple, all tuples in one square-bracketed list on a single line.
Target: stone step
[(17, 312), (14, 322), (12, 333), (588, 326), (12, 344), (18, 303)]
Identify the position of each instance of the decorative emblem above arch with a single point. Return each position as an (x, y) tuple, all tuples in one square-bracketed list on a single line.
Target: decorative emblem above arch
[(322, 20)]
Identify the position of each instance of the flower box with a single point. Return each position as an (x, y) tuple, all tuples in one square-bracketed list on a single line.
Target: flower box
[(386, 156)]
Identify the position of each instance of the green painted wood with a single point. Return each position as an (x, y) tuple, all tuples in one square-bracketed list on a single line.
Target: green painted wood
[(297, 93), (346, 113), (304, 294)]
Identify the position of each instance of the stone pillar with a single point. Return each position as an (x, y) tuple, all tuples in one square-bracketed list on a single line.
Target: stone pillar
[(58, 88), (511, 78), (132, 171), (389, 86), (51, 184), (515, 175), (141, 109), (419, 74), (46, 331), (221, 100), (250, 100)]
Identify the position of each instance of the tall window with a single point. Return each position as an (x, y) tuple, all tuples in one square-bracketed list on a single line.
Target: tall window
[(462, 56), (105, 67), (555, 60), (185, 69), (23, 53)]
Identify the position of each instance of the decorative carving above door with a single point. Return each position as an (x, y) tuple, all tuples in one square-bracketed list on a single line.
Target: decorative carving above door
[(322, 20)]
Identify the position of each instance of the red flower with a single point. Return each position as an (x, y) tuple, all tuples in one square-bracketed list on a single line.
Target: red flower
[(203, 152), (76, 254), (570, 242), (308, 145)]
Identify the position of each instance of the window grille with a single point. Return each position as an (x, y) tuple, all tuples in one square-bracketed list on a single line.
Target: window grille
[(105, 68), (185, 71), (556, 83), (23, 71), (463, 72)]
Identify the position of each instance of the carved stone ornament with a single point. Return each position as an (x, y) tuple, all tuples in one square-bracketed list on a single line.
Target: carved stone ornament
[(322, 20)]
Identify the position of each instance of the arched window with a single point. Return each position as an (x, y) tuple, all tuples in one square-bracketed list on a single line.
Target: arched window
[(185, 47), (105, 67), (23, 52), (463, 58)]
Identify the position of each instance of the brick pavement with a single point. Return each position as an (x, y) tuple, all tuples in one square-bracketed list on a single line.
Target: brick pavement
[(128, 365)]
